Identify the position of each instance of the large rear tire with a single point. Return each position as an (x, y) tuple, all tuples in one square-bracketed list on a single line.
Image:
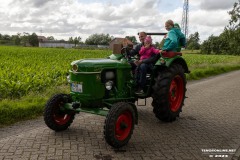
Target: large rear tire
[(54, 117), (169, 93), (119, 124)]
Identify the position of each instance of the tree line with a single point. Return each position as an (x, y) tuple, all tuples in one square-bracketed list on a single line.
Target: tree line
[(228, 42), (26, 39)]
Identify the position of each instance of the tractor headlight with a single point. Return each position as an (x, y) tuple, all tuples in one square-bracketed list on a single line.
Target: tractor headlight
[(75, 67), (109, 75), (109, 85)]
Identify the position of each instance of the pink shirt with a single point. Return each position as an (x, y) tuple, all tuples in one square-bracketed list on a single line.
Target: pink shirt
[(146, 53)]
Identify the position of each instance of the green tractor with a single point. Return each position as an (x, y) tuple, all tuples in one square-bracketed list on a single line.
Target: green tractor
[(107, 87)]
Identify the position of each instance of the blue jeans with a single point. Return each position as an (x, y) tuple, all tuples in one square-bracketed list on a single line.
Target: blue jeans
[(141, 74)]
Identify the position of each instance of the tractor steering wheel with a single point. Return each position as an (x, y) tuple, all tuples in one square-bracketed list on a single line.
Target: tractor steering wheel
[(125, 51)]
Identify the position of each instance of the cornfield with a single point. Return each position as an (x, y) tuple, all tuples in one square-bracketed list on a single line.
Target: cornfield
[(25, 70)]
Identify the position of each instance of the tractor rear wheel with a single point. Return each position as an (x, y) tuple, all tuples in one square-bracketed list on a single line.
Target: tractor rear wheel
[(119, 124), (169, 93), (54, 117)]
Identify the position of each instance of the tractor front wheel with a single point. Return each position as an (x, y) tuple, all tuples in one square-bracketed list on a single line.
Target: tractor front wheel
[(54, 116), (119, 124)]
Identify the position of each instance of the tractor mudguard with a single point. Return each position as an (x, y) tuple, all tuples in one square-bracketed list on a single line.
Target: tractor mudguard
[(167, 62)]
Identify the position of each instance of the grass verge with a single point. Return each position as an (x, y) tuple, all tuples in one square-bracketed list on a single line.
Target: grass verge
[(207, 71), (27, 107)]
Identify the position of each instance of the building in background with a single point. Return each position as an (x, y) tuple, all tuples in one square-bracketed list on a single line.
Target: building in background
[(123, 41), (44, 42)]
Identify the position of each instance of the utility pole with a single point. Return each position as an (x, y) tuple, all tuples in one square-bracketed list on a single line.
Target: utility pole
[(185, 20)]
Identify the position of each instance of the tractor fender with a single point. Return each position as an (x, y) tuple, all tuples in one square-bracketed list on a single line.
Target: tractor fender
[(167, 62)]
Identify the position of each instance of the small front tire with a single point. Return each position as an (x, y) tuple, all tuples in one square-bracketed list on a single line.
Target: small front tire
[(119, 124), (54, 117)]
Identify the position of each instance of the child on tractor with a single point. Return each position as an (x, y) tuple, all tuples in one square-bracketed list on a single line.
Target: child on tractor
[(144, 64)]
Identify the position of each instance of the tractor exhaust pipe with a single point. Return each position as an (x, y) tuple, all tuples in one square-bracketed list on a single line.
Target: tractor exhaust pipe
[(156, 34)]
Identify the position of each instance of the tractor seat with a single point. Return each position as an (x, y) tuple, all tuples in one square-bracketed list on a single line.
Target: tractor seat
[(170, 54)]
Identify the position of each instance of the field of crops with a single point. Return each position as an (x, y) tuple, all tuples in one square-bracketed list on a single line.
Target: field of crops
[(25, 70), (207, 65), (34, 69)]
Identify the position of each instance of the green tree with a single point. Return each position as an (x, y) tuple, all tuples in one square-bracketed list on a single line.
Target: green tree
[(224, 41), (228, 41), (33, 39), (6, 37), (132, 39), (215, 44), (25, 38), (157, 44), (162, 42), (233, 29), (70, 40), (51, 38), (17, 39), (234, 22), (193, 41), (77, 40), (98, 39), (206, 47)]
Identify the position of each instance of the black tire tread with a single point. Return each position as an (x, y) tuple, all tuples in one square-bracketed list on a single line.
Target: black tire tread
[(109, 126), (49, 109), (160, 103)]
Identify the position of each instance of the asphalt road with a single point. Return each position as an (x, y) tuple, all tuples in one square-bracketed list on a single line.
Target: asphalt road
[(210, 122)]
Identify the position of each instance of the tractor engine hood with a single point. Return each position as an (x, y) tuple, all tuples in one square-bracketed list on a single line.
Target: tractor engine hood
[(97, 65)]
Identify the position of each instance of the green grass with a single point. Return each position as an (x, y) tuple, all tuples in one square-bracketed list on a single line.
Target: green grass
[(190, 51), (202, 66), (30, 76), (27, 107), (199, 73), (21, 109)]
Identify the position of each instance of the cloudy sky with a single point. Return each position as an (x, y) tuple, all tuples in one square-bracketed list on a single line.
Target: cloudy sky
[(120, 18)]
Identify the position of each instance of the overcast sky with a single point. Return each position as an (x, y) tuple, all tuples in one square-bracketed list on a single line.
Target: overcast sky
[(120, 18)]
